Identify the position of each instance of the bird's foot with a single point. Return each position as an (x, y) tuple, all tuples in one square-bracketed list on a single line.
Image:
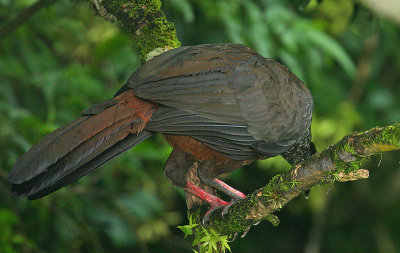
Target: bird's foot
[(225, 208), (214, 201), (234, 194), (227, 189), (210, 211), (231, 203), (248, 229), (234, 236)]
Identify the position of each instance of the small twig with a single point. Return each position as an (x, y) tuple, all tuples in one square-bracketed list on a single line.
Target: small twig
[(102, 12), (22, 17), (352, 176)]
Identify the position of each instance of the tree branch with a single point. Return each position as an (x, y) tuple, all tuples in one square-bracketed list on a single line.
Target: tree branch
[(144, 20), (340, 162)]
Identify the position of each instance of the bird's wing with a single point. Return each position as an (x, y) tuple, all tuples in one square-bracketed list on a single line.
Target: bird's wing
[(233, 141), (230, 84)]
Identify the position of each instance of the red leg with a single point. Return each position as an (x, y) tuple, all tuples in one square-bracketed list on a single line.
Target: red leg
[(215, 183), (214, 201), (235, 195), (203, 195), (229, 190)]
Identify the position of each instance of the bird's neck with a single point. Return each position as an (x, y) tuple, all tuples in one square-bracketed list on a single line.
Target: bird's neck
[(300, 151)]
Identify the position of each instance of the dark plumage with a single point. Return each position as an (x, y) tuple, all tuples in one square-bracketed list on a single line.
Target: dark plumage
[(222, 105)]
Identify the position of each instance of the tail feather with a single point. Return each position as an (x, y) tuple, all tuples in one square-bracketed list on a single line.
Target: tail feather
[(32, 188), (79, 147)]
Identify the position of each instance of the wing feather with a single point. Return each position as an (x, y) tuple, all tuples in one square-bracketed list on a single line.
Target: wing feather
[(229, 84), (234, 141)]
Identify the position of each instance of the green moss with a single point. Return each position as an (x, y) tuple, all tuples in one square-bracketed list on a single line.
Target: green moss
[(159, 34), (383, 139), (273, 219), (146, 22), (133, 9), (143, 7), (357, 147), (346, 148), (278, 185)]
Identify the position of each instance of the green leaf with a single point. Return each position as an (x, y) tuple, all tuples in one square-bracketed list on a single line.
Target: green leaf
[(226, 245), (187, 229), (196, 241), (329, 46)]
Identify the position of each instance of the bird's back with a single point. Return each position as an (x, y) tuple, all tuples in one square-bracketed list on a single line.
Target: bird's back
[(220, 93)]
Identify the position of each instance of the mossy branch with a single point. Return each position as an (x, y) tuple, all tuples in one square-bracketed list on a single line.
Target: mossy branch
[(144, 20), (339, 162)]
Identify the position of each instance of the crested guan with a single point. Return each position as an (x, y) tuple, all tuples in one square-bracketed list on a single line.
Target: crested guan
[(219, 105)]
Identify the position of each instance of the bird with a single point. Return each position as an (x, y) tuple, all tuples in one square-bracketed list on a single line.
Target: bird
[(220, 106)]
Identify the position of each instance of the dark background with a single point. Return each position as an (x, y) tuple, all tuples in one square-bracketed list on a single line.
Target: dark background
[(64, 59)]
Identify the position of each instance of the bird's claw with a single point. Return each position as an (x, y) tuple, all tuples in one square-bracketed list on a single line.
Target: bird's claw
[(234, 237), (210, 211), (248, 229), (231, 203), (245, 232), (225, 208)]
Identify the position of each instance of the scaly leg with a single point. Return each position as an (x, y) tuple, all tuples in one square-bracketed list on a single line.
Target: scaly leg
[(214, 201), (234, 194)]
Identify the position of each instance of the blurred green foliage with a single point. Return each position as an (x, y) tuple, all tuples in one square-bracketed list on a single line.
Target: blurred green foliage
[(64, 59)]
